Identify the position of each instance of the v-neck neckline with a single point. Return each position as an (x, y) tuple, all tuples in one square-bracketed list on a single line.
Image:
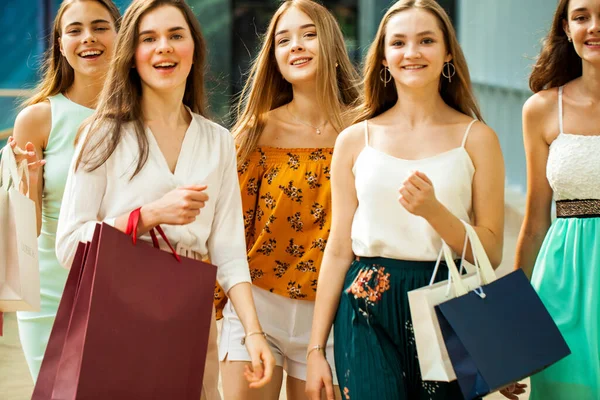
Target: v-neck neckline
[(182, 150)]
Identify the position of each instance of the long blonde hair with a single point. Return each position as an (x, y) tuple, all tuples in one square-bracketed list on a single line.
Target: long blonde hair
[(57, 74), (378, 98), (120, 100), (266, 89)]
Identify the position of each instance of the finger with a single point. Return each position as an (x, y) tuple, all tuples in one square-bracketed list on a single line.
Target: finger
[(12, 142), (424, 177), (509, 395), (412, 188), (36, 164), (419, 182), (196, 195), (329, 389), (196, 188), (406, 193)]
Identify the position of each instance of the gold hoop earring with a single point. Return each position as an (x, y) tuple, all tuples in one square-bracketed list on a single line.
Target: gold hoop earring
[(386, 77), (448, 71)]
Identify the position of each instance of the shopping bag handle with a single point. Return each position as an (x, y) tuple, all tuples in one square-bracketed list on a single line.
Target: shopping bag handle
[(132, 224), (482, 262), (12, 174)]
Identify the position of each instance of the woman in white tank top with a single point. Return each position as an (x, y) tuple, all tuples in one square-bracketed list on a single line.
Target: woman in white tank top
[(414, 165)]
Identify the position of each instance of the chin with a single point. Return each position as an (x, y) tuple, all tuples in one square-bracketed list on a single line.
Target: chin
[(297, 79)]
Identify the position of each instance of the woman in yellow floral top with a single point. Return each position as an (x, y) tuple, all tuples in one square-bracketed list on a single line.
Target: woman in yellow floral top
[(290, 115)]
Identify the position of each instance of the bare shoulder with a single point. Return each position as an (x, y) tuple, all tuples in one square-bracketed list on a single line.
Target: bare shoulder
[(541, 104), (482, 143), (33, 124), (353, 137)]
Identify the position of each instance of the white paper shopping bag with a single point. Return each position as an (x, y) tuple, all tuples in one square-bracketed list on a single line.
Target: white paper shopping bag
[(434, 360), (19, 270)]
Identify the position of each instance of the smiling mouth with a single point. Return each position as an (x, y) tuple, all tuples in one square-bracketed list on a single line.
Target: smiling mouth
[(90, 53), (301, 61), (414, 67), (165, 65), (593, 43)]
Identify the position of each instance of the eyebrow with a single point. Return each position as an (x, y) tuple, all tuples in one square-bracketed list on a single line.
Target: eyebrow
[(174, 29), (301, 27), (579, 9), (424, 33), (96, 21)]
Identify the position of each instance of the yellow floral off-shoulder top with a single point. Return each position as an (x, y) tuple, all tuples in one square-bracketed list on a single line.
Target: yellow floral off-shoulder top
[(286, 200)]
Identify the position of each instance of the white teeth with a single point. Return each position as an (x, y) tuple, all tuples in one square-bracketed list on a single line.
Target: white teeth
[(593, 43), (301, 61), (414, 67), (165, 64), (90, 53)]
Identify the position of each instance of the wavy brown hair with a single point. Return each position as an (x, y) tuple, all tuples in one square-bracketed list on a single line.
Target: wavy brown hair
[(57, 73), (266, 89), (120, 100), (558, 62), (378, 98)]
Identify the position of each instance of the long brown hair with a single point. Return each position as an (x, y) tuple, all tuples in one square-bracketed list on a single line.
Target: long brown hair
[(120, 100), (266, 89), (57, 74), (378, 98), (558, 62)]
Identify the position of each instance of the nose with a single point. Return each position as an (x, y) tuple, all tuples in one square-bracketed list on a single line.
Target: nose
[(297, 45), (412, 51), (164, 46), (595, 26), (89, 37)]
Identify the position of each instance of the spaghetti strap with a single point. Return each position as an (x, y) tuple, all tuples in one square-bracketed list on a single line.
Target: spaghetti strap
[(366, 133), (560, 109), (464, 141)]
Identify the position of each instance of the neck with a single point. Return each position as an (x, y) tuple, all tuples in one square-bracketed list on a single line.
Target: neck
[(164, 108), (417, 106), (85, 90), (304, 106), (590, 81)]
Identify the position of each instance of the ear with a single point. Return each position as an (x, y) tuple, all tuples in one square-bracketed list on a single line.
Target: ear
[(448, 58), (60, 46), (384, 62), (565, 24)]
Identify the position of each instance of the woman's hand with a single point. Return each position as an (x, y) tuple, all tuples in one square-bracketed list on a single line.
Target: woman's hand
[(178, 207), (263, 361), (318, 377), (417, 195), (513, 391), (33, 163)]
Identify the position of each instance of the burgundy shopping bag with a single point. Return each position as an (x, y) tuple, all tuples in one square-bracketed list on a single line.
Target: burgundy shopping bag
[(47, 376), (139, 325)]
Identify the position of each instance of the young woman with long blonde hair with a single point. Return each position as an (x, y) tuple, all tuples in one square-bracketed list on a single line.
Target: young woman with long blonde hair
[(150, 146), (73, 74), (415, 164), (291, 111), (561, 132)]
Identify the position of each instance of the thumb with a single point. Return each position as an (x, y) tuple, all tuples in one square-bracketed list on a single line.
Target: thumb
[(257, 366)]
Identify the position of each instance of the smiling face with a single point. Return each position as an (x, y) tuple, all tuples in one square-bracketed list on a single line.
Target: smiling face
[(414, 48), (165, 50), (296, 46), (583, 26), (87, 37)]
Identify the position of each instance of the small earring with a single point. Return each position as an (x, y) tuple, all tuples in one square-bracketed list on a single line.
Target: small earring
[(386, 77), (336, 65), (569, 39), (448, 71)]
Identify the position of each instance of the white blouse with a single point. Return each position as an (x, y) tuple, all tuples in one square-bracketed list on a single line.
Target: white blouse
[(207, 157)]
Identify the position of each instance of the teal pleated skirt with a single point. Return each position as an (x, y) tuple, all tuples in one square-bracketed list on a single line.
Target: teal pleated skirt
[(375, 352), (567, 278)]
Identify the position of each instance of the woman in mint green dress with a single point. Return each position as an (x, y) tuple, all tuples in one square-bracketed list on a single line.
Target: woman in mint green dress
[(77, 61), (561, 127)]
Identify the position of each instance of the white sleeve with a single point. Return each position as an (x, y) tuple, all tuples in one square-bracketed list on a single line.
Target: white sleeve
[(227, 241), (79, 210)]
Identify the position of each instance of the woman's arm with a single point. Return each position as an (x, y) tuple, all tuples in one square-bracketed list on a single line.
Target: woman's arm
[(337, 258), (539, 193), (31, 132)]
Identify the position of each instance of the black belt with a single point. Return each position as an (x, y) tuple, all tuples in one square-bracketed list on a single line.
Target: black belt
[(589, 208)]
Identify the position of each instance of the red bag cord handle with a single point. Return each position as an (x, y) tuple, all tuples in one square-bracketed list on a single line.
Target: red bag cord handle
[(132, 224)]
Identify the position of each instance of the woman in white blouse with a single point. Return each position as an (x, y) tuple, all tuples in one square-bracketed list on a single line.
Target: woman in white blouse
[(148, 145)]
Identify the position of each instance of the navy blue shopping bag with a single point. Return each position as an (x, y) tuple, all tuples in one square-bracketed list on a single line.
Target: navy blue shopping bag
[(500, 337)]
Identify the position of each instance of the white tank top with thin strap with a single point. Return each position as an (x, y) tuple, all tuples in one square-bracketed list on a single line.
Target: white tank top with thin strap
[(382, 227), (573, 168)]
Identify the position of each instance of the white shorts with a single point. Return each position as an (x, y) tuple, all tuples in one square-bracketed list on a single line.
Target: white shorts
[(287, 323)]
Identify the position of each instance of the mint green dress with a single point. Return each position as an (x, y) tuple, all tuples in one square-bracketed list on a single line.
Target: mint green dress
[(35, 327)]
